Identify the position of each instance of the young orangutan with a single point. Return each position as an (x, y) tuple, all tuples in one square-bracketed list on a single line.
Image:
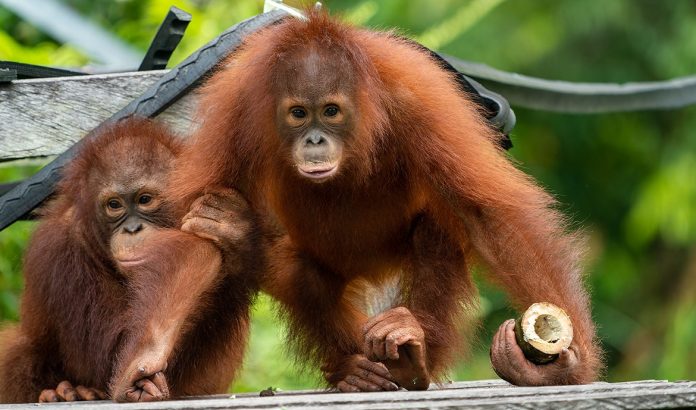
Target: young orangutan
[(369, 165), (117, 302)]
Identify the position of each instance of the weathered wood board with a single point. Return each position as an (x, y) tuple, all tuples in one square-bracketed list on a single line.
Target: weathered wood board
[(43, 117), (484, 394)]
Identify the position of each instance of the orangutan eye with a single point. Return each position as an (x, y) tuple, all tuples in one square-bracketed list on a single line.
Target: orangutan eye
[(298, 113), (114, 204), (331, 111), (144, 199)]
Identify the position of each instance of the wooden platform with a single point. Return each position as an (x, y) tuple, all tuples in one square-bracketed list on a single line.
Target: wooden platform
[(43, 117), (484, 394)]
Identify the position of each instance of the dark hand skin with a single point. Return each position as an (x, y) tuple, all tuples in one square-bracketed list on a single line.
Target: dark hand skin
[(143, 380), (66, 392), (365, 375), (396, 339), (511, 365), (221, 215), (147, 388)]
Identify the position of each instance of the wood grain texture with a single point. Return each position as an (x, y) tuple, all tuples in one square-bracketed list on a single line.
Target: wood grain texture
[(483, 394), (43, 117)]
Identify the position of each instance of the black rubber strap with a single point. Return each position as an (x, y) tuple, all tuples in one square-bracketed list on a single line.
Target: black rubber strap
[(6, 187), (498, 111), (24, 71), (31, 192), (168, 36), (7, 75), (563, 96), (496, 107)]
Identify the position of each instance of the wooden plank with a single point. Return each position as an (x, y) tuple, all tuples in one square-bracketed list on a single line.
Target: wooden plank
[(493, 394), (43, 117)]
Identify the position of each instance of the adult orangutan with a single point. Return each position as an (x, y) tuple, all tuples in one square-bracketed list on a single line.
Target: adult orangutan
[(118, 302), (367, 165)]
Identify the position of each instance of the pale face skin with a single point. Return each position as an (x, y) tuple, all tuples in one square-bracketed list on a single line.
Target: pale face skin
[(315, 114), (131, 211)]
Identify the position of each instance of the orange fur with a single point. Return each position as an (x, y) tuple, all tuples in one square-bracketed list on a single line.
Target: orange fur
[(423, 187), (85, 320)]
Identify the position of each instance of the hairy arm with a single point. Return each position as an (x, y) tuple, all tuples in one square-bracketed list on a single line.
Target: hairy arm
[(514, 229), (168, 292), (508, 220)]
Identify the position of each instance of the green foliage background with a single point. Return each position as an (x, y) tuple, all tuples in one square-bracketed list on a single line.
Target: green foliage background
[(628, 179)]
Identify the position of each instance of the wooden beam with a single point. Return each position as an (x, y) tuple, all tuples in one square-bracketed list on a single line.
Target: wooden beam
[(484, 394), (43, 117)]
